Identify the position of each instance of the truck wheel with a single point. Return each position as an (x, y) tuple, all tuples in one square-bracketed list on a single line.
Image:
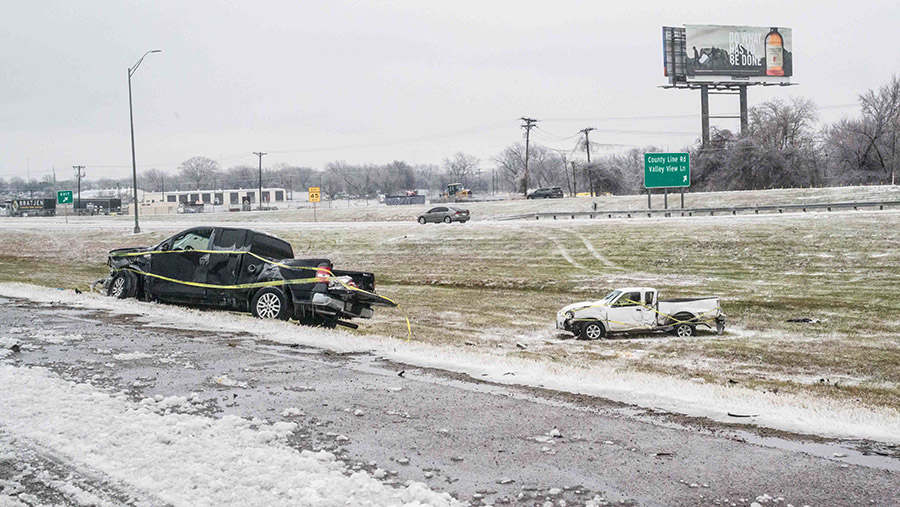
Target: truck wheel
[(685, 330), (270, 303), (592, 331), (422, 220), (447, 220), (123, 285)]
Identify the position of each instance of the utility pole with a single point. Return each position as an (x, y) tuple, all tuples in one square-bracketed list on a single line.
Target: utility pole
[(260, 155), (574, 181), (79, 173), (893, 155), (529, 124), (587, 144)]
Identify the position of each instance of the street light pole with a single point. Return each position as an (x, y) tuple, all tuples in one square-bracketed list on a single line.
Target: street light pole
[(131, 71)]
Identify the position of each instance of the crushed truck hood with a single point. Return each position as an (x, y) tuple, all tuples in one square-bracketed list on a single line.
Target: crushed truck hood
[(578, 306)]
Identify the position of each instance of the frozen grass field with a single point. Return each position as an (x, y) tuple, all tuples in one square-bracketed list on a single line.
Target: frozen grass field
[(487, 286)]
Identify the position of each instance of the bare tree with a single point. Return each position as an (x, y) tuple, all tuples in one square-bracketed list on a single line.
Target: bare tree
[(544, 167), (460, 166), (242, 176), (783, 124), (153, 180), (199, 171), (511, 166)]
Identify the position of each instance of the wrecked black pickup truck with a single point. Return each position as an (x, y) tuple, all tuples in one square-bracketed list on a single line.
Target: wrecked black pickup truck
[(243, 270)]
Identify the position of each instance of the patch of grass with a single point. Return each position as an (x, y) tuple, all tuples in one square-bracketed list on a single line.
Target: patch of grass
[(497, 283)]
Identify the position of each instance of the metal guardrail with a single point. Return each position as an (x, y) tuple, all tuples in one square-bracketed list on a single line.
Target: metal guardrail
[(690, 212)]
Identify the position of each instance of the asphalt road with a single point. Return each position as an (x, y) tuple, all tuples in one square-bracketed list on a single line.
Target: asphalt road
[(481, 442)]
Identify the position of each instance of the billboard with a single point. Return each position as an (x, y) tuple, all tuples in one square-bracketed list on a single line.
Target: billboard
[(718, 53)]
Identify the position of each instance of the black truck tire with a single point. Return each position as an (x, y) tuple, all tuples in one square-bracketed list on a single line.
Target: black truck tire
[(123, 285), (684, 330), (270, 303), (592, 330)]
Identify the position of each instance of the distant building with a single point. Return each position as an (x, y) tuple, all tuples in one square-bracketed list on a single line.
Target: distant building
[(232, 198)]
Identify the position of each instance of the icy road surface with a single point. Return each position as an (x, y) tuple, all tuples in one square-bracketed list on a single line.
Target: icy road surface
[(99, 408)]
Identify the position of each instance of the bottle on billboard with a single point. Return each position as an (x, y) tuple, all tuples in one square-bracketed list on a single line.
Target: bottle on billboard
[(774, 53)]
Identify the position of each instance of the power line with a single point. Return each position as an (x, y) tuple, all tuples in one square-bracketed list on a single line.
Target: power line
[(408, 140), (673, 116)]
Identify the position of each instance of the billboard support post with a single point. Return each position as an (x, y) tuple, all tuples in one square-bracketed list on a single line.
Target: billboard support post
[(666, 199), (649, 195), (682, 198), (743, 93), (704, 114)]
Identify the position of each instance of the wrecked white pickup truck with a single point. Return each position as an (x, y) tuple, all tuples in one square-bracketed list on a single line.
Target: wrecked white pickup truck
[(637, 310)]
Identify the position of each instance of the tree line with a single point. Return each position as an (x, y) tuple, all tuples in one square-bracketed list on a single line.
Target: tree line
[(784, 146)]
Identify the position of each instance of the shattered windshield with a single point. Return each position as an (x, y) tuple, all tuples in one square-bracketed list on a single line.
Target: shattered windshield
[(611, 296)]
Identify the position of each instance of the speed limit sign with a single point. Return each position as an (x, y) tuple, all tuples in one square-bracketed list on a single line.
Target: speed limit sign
[(314, 194)]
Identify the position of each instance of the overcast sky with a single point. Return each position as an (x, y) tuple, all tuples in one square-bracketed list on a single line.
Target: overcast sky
[(312, 82)]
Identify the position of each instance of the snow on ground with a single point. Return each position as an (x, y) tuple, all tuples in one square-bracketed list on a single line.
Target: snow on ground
[(184, 459), (791, 412)]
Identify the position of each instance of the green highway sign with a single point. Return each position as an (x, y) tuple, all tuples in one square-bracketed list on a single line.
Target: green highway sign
[(64, 197), (666, 170)]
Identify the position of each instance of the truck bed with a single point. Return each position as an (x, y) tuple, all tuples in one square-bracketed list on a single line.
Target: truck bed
[(685, 300)]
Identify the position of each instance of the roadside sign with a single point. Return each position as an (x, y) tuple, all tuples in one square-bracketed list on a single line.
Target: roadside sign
[(666, 170), (64, 197), (314, 195)]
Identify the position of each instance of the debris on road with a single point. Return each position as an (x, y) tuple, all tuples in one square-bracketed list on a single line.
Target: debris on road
[(228, 382), (291, 412), (8, 346), (805, 320)]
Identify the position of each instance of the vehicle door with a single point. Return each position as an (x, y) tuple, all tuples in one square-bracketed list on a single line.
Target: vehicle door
[(224, 265), (626, 312), (649, 308), (264, 246), (182, 259), (436, 214)]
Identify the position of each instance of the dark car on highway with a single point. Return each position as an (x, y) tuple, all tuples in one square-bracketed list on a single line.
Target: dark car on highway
[(446, 214), (243, 270), (546, 193)]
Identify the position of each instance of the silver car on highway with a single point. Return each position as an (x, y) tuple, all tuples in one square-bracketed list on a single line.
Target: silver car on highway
[(446, 214)]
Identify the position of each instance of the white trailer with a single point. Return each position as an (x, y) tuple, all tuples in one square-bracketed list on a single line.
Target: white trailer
[(638, 310)]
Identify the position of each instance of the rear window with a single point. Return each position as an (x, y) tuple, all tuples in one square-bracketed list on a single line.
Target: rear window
[(271, 247)]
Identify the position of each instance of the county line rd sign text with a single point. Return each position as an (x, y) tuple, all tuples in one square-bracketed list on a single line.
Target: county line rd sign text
[(667, 170)]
